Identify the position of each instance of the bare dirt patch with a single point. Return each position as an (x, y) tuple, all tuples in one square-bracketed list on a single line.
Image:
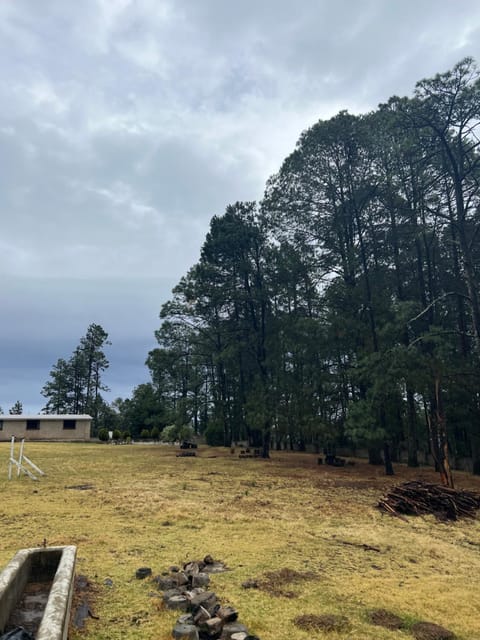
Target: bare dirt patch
[(386, 619), (274, 582), (431, 631), (325, 622)]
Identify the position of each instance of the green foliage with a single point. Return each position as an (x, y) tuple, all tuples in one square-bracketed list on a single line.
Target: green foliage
[(169, 434), (103, 435), (116, 435), (17, 408), (145, 434), (362, 425), (75, 385), (347, 305), (214, 435)]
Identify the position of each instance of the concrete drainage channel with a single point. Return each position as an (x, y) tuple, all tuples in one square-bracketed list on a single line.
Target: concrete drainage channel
[(36, 589)]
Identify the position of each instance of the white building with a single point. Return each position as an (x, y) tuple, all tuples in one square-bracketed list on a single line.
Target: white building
[(46, 427)]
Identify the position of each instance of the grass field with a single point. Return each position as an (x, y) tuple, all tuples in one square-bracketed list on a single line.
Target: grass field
[(146, 507)]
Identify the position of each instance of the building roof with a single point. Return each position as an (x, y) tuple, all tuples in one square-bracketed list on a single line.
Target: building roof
[(44, 416)]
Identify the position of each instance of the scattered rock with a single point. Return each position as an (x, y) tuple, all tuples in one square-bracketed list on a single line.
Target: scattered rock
[(143, 572), (227, 614), (201, 615), (207, 599), (169, 593), (177, 602), (229, 630), (431, 631), (204, 617), (164, 582), (200, 579), (185, 632), (108, 582)]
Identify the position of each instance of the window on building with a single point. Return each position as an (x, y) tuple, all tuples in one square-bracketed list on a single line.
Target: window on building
[(1, 425), (33, 425), (69, 424)]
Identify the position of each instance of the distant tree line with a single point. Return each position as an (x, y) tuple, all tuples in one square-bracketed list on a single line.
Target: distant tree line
[(345, 307)]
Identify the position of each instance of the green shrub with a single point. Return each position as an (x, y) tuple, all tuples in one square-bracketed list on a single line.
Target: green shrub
[(145, 434), (214, 435), (103, 435)]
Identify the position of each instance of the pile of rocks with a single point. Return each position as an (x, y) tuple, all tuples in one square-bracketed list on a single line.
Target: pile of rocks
[(204, 617)]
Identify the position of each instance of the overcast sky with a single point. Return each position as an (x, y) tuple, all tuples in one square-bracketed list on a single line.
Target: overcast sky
[(125, 125)]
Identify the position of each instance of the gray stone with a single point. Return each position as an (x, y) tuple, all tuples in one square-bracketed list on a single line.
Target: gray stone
[(186, 618), (143, 572), (227, 613), (185, 632), (191, 567), (241, 635), (216, 567), (171, 592), (180, 579), (206, 599), (177, 602), (201, 615), (231, 628), (213, 626), (200, 580), (165, 583)]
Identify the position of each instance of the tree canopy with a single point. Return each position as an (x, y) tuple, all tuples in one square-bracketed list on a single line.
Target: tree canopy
[(343, 308)]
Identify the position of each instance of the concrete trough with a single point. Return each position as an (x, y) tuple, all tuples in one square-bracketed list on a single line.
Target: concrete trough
[(36, 589)]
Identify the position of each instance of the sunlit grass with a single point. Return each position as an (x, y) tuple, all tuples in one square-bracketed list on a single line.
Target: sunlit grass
[(149, 508)]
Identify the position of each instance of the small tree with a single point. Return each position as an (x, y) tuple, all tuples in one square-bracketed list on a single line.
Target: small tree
[(145, 434), (103, 435), (17, 408)]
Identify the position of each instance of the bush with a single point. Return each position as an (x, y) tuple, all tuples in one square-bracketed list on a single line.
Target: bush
[(169, 433), (155, 434), (116, 435), (214, 435), (145, 434), (126, 436), (103, 435)]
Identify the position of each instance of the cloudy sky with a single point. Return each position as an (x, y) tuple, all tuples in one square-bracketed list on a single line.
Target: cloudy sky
[(125, 125)]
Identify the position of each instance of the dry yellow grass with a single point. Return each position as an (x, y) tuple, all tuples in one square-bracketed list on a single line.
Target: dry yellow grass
[(147, 507)]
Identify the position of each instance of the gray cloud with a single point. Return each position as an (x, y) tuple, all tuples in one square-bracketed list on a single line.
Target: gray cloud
[(125, 125)]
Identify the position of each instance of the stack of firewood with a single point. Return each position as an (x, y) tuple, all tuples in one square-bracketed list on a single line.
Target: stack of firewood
[(420, 498)]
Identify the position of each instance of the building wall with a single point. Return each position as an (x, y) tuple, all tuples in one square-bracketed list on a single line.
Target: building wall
[(49, 430)]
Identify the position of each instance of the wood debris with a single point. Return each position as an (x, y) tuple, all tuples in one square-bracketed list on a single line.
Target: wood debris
[(422, 498)]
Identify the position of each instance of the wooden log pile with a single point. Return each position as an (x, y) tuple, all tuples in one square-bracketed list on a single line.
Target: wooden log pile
[(422, 498)]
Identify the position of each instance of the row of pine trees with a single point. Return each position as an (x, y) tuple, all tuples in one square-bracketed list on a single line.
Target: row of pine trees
[(345, 307)]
